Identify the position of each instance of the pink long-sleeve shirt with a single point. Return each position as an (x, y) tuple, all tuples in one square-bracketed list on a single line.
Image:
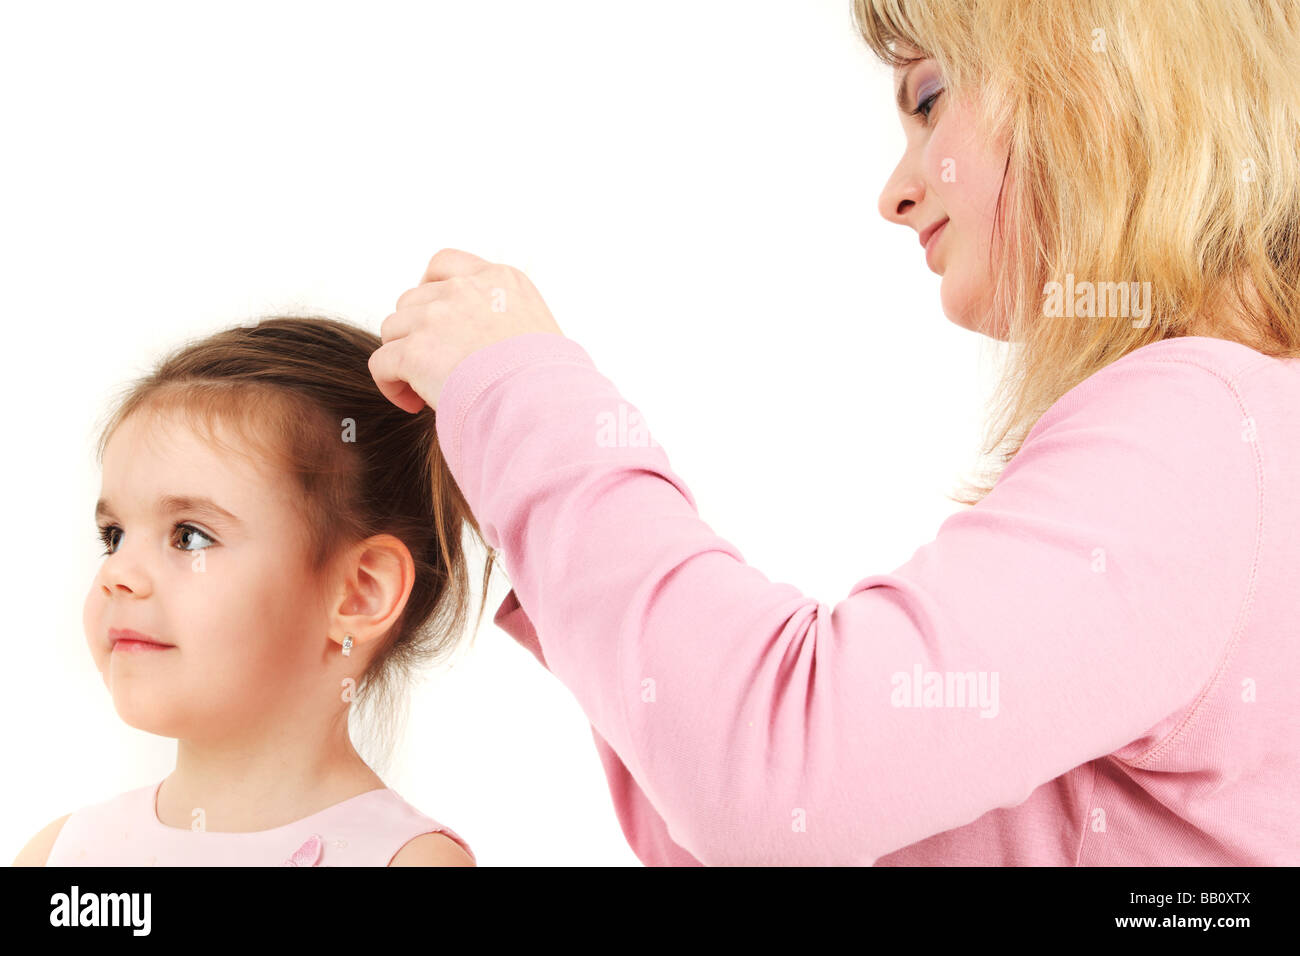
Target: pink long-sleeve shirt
[(1098, 664)]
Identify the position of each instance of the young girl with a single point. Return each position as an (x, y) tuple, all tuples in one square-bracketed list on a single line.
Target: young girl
[(281, 541)]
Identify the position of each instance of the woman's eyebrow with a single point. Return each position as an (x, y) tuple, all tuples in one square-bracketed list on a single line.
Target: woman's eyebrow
[(901, 96), (170, 504)]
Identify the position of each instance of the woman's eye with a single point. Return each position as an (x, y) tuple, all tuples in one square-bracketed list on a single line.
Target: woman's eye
[(108, 533), (926, 106)]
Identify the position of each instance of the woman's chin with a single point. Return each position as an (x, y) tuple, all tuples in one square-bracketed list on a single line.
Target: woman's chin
[(975, 316), (993, 327)]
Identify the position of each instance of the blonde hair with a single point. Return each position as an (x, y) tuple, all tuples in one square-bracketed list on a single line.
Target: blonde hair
[(1148, 142)]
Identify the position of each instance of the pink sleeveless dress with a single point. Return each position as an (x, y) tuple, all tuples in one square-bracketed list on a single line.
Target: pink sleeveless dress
[(365, 830)]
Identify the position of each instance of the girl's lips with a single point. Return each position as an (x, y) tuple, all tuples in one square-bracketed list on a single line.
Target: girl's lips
[(128, 645), (130, 640)]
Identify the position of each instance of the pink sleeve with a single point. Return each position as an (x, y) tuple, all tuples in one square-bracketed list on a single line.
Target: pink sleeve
[(1078, 611), (644, 828)]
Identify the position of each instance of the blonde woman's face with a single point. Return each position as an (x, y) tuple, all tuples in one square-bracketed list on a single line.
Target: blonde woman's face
[(229, 593), (949, 177)]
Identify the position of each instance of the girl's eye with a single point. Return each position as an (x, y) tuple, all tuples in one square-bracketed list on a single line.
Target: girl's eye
[(106, 537), (106, 533), (187, 527), (926, 106)]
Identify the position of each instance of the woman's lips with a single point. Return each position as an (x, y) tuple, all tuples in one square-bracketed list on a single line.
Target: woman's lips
[(931, 241)]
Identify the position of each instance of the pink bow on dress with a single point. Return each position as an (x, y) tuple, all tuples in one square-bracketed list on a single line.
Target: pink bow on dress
[(306, 855)]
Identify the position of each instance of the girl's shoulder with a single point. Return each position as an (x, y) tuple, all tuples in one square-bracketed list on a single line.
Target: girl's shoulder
[(432, 849), (37, 850)]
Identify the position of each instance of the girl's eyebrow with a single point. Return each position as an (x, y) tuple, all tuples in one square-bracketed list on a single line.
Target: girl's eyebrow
[(170, 504)]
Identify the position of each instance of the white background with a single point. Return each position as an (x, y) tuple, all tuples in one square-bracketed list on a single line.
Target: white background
[(693, 188)]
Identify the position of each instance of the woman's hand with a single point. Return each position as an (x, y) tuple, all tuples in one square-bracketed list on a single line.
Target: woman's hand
[(462, 304)]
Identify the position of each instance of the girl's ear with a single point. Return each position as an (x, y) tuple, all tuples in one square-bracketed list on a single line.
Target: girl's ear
[(375, 581)]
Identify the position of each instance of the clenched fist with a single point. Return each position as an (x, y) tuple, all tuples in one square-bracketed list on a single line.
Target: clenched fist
[(462, 304)]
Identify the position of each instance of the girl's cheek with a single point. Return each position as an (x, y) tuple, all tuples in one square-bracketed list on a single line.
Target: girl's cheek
[(90, 610)]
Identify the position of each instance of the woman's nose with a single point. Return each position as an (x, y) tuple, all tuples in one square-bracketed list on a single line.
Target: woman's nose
[(902, 192)]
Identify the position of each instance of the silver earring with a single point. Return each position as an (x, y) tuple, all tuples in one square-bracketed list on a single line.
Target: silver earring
[(347, 645)]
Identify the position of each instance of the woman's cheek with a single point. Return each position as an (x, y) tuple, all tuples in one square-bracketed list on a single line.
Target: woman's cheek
[(940, 168), (951, 297), (947, 153), (958, 291)]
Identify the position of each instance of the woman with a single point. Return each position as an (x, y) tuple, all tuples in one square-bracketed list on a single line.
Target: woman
[(1090, 665)]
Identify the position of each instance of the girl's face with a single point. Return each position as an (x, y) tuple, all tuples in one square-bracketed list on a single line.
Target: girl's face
[(949, 177), (208, 557)]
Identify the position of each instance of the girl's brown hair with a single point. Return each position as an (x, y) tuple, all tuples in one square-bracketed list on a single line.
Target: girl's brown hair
[(299, 392)]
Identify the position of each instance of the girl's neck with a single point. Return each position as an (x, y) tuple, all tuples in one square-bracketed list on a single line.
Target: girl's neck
[(239, 793)]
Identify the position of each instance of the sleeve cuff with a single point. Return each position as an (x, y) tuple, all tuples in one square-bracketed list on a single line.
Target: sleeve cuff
[(478, 371), (510, 617)]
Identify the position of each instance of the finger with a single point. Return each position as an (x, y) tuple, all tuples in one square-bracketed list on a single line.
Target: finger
[(421, 294), (397, 325), (400, 323), (452, 262), (408, 400), (409, 309), (384, 369)]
